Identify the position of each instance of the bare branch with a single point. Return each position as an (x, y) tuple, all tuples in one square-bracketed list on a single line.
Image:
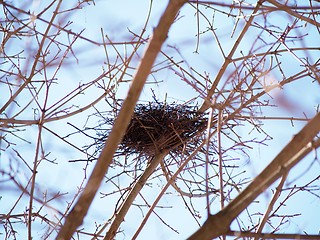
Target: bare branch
[(296, 150)]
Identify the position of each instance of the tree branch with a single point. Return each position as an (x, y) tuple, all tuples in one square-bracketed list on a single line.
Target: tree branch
[(297, 149), (120, 214), (228, 59)]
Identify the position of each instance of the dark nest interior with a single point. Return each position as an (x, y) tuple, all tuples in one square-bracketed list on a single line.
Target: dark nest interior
[(158, 126)]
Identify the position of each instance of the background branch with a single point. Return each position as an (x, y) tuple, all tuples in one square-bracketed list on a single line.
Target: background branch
[(296, 149)]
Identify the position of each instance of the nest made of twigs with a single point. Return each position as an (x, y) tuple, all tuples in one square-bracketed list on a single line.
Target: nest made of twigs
[(157, 126)]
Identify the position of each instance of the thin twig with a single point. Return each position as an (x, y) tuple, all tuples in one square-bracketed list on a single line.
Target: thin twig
[(220, 161), (228, 59), (301, 144), (120, 214), (272, 202), (169, 183), (208, 160)]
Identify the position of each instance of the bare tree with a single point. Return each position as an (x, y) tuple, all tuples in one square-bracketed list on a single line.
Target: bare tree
[(202, 110)]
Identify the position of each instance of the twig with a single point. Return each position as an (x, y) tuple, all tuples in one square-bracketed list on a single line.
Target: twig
[(228, 59), (120, 214), (208, 160), (220, 161), (248, 235), (169, 183), (290, 12), (296, 149), (272, 202)]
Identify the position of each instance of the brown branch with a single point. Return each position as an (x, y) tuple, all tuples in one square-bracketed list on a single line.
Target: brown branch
[(169, 183), (275, 197), (249, 235), (228, 59), (291, 12), (296, 149), (249, 7), (220, 160), (120, 214), (27, 80), (77, 214)]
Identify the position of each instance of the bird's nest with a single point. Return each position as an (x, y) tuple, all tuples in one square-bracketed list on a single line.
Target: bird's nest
[(158, 126)]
